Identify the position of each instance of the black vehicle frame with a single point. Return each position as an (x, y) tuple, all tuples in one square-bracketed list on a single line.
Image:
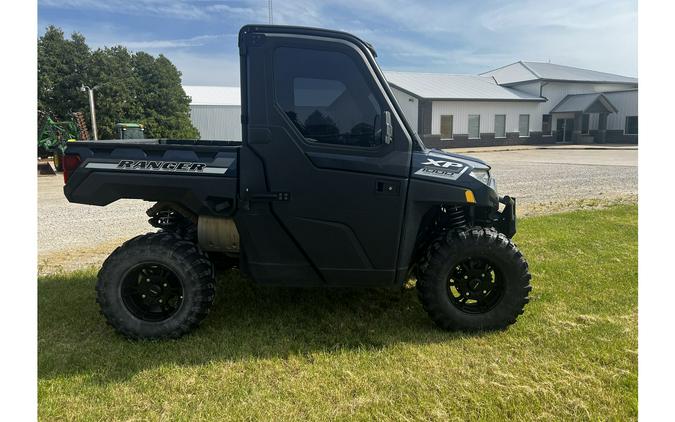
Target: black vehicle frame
[(329, 187)]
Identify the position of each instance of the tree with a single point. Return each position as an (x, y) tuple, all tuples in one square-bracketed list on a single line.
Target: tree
[(132, 87), (117, 100), (62, 68), (166, 111)]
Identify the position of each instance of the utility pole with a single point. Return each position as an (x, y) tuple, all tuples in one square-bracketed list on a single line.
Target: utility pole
[(92, 108), (269, 9)]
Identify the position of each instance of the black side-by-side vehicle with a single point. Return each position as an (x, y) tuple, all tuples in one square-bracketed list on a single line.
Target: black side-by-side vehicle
[(329, 187)]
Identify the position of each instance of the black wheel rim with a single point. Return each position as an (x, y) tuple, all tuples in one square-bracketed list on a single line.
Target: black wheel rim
[(475, 285), (152, 292)]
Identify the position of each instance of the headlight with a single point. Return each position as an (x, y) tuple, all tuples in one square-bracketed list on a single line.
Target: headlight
[(482, 175)]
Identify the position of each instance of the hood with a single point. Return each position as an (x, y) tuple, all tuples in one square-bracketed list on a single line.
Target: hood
[(443, 168), (440, 166), (467, 158)]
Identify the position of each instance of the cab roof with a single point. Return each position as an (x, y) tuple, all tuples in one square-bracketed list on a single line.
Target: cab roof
[(129, 125)]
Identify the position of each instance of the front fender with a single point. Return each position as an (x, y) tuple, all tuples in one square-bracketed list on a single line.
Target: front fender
[(424, 199)]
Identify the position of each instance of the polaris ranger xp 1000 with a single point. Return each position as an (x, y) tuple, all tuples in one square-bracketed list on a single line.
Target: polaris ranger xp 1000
[(329, 187)]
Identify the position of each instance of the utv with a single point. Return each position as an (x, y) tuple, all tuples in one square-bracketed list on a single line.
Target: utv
[(330, 187)]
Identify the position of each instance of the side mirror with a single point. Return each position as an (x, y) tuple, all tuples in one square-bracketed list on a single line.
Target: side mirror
[(388, 129)]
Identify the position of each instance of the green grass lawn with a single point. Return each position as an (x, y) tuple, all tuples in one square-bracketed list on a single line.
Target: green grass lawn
[(281, 354)]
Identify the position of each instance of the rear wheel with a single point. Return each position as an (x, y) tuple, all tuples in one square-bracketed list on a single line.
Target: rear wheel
[(474, 279), (156, 286)]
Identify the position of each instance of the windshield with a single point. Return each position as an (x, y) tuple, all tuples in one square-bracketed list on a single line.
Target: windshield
[(415, 137), (132, 133)]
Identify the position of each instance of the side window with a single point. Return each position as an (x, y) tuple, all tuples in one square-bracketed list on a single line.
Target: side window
[(327, 97), (546, 124), (500, 125), (446, 126), (474, 126), (631, 125), (524, 125), (585, 123)]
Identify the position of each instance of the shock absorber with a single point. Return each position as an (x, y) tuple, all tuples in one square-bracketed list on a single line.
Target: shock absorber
[(456, 217)]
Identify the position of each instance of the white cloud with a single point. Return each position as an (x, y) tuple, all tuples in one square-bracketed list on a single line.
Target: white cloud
[(219, 70), (161, 44), (449, 36), (599, 34), (476, 36), (247, 12), (179, 9)]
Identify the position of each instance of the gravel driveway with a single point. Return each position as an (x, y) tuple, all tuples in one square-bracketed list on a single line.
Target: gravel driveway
[(558, 176), (71, 236)]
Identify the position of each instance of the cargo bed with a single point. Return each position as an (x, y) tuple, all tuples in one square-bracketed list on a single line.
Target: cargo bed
[(202, 175)]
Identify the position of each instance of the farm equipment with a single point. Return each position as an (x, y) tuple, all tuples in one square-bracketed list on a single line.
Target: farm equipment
[(53, 135), (52, 138), (130, 131)]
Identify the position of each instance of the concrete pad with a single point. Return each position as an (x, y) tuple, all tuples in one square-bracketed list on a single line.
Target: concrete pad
[(562, 175), (537, 147)]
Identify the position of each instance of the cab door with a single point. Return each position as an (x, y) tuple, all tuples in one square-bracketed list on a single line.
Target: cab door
[(323, 178)]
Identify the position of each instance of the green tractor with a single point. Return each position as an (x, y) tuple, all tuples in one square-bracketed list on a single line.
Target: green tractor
[(130, 131), (52, 137)]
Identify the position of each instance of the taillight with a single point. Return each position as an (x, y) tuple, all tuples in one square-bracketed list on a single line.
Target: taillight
[(70, 164)]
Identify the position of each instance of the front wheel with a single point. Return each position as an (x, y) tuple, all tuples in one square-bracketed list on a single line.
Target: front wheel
[(474, 279), (155, 286)]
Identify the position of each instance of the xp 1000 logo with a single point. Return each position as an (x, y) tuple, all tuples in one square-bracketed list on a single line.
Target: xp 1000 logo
[(450, 170)]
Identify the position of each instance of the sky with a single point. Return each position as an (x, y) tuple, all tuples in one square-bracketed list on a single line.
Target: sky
[(200, 36)]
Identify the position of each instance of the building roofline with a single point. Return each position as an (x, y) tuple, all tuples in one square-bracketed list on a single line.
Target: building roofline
[(608, 104), (581, 68), (621, 90), (509, 84), (405, 91), (568, 80), (419, 97), (500, 67), (599, 97), (538, 76), (527, 100), (520, 62), (431, 73)]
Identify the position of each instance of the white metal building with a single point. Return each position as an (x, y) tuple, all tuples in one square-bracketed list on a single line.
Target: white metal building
[(460, 106), (556, 83), (524, 102), (215, 111)]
